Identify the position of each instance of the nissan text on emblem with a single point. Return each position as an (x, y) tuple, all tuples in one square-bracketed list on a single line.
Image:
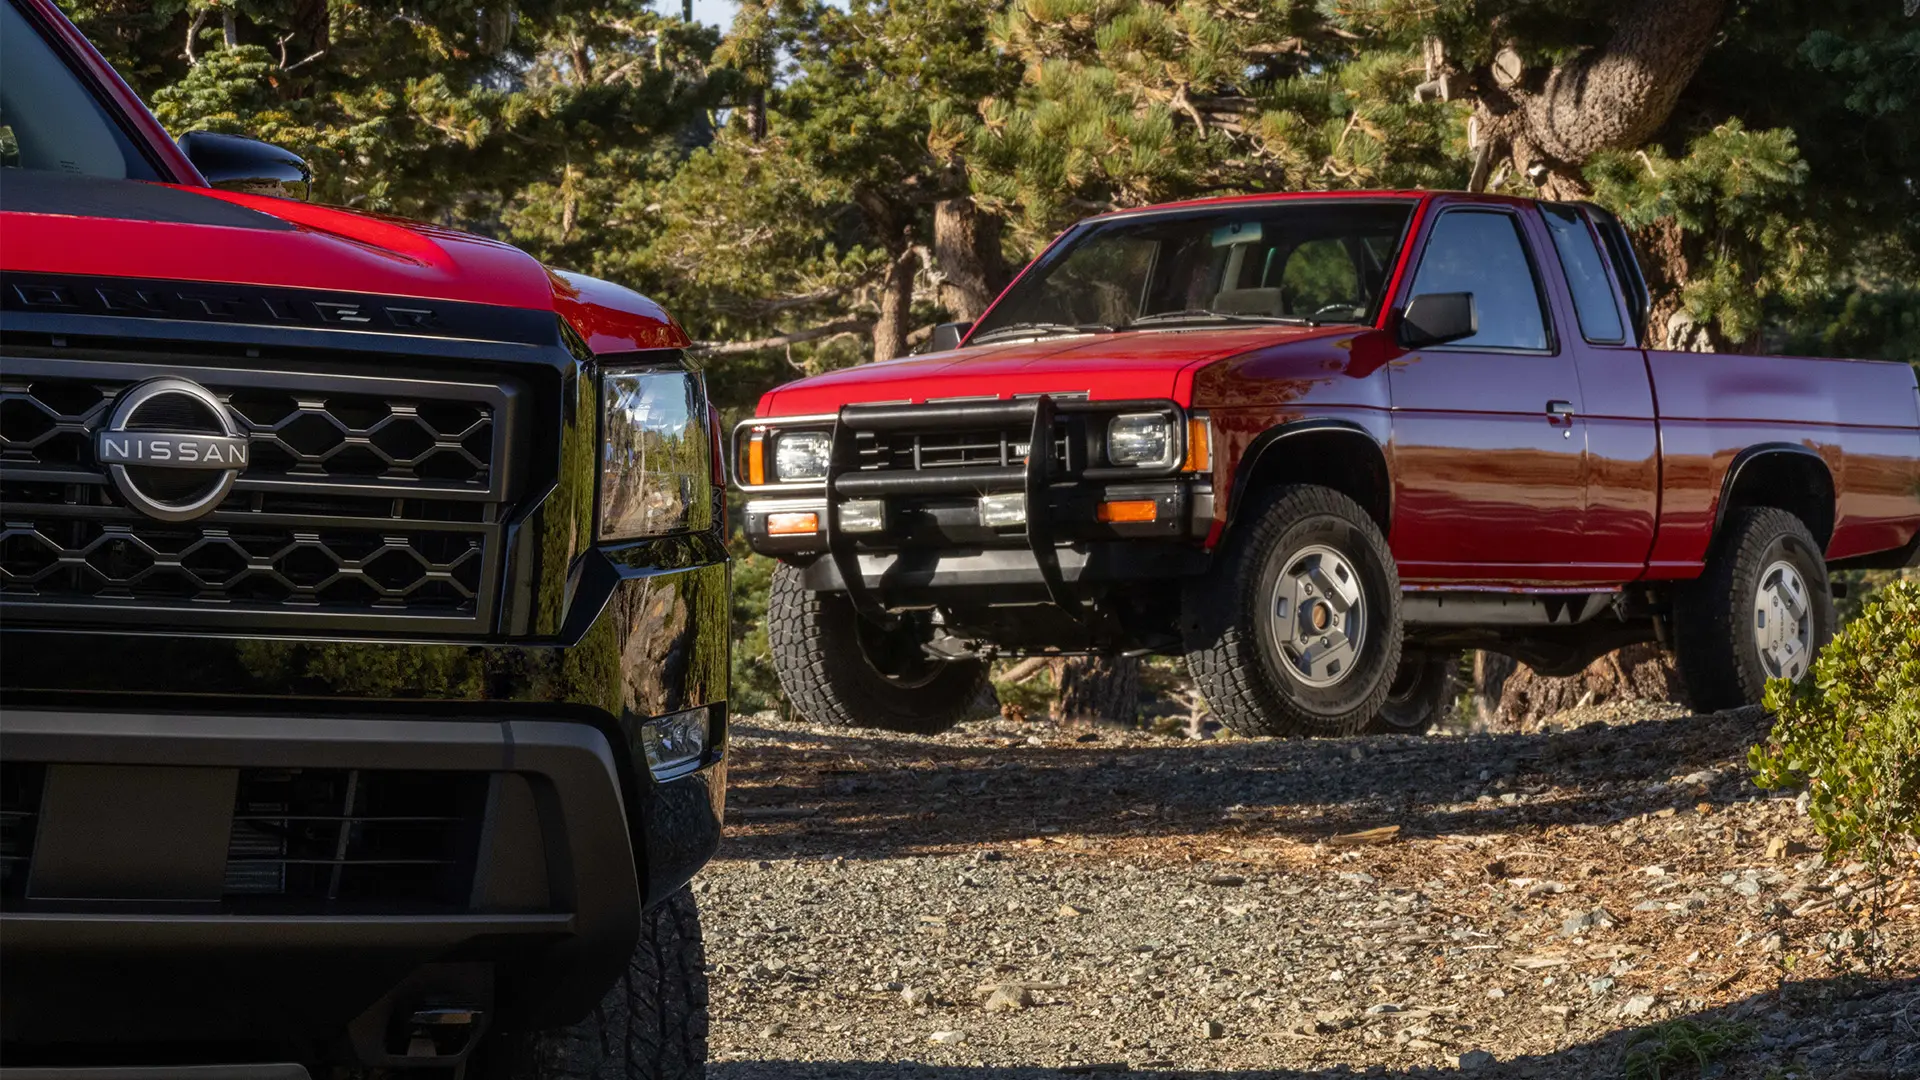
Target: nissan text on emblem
[(172, 449)]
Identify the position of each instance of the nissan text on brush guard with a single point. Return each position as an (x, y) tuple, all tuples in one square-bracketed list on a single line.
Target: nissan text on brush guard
[(1319, 444), (363, 645)]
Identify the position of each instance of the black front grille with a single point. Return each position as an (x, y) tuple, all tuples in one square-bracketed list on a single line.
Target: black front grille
[(355, 837), (326, 569), (314, 432), (891, 451), (367, 503), (20, 784)]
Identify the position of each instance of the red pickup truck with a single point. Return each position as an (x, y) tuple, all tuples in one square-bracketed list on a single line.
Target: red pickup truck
[(1319, 444)]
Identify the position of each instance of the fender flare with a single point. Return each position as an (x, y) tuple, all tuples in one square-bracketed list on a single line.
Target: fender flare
[(1270, 439), (1764, 450)]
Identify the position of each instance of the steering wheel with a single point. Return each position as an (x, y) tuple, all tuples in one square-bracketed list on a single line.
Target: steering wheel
[(1329, 308)]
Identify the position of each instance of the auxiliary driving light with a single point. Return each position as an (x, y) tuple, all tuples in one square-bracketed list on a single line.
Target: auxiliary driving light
[(1001, 511), (676, 743), (863, 516)]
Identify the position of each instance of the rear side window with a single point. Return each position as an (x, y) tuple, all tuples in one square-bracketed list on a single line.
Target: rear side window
[(1480, 252), (1593, 299)]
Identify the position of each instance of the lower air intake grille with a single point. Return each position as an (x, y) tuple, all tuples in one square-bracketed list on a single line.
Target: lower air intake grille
[(20, 784), (355, 836)]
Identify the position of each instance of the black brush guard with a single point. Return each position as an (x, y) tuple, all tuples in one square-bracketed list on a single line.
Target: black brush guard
[(1034, 478)]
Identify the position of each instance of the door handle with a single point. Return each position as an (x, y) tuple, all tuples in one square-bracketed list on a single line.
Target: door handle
[(1561, 410)]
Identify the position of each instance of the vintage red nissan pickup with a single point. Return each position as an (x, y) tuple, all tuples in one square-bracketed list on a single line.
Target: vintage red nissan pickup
[(1319, 444)]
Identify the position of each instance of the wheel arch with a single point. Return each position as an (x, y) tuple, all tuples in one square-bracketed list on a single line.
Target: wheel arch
[(1785, 476), (1334, 453)]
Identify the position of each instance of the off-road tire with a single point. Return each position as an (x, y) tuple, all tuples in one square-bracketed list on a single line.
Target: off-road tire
[(824, 669), (1226, 616), (652, 1024), (1713, 639), (1420, 697)]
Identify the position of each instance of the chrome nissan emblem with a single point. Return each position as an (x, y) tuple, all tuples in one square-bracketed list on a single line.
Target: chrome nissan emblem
[(172, 449)]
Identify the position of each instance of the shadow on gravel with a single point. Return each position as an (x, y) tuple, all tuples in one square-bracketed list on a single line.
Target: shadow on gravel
[(1830, 1029), (797, 793)]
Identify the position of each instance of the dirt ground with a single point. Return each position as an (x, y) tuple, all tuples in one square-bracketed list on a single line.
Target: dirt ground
[(1015, 902)]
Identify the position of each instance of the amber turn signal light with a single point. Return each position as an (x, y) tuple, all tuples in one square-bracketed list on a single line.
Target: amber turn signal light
[(753, 459), (1128, 510), (797, 524), (1199, 446)]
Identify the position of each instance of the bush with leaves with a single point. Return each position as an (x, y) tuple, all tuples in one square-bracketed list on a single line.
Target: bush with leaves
[(1849, 733)]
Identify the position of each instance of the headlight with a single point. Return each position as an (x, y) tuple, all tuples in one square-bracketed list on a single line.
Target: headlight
[(656, 470), (801, 455), (1140, 439)]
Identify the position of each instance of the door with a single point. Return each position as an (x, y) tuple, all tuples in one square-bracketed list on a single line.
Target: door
[(1488, 446)]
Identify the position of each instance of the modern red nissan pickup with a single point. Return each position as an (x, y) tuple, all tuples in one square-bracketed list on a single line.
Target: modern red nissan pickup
[(363, 625), (1319, 444)]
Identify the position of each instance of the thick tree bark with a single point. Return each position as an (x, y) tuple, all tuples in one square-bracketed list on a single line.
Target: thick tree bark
[(1093, 689), (966, 251), (1615, 97), (896, 307)]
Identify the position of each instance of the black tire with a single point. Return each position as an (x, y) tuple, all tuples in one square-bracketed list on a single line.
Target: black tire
[(841, 670), (652, 1025), (1233, 654), (1716, 624), (1420, 698)]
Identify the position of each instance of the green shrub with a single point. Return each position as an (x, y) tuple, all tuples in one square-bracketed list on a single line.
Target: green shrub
[(1849, 732), (1667, 1050)]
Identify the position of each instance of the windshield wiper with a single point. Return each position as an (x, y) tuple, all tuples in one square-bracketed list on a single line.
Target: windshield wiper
[(1199, 314), (1037, 328)]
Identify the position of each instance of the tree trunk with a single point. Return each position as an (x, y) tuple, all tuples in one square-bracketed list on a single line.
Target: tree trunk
[(1092, 689), (966, 249), (1612, 98), (896, 307), (1491, 671), (1635, 673)]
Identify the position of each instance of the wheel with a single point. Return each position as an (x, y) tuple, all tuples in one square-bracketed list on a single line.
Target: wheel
[(1420, 697), (1760, 611), (1296, 630), (652, 1025), (841, 669)]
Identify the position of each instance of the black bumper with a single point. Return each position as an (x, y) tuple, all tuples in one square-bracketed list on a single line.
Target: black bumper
[(154, 931)]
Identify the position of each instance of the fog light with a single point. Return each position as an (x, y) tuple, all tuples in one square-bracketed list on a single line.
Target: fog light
[(676, 743), (1000, 511), (801, 524), (863, 516)]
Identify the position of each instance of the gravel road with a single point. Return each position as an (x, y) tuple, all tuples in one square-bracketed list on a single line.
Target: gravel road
[(1016, 902)]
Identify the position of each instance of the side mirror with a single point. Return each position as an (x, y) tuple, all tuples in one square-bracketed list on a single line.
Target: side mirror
[(1437, 318), (947, 335), (233, 163)]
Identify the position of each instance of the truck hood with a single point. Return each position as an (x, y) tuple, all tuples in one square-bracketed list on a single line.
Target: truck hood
[(1120, 366), (96, 228)]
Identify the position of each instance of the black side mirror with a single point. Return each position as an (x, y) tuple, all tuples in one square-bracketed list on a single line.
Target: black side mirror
[(1437, 318), (233, 163), (947, 335)]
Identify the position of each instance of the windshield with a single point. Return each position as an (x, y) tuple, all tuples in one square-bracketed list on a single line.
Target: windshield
[(1316, 261), (49, 119)]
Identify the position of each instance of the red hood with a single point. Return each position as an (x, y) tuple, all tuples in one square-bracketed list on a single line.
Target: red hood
[(1142, 364), (127, 229)]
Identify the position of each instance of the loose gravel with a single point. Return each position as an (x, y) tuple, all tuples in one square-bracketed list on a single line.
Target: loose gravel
[(1016, 901)]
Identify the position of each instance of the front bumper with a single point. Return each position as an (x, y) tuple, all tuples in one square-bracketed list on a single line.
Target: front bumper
[(126, 918), (1083, 521)]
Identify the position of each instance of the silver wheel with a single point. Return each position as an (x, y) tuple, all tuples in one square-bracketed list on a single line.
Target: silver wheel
[(1783, 622), (1319, 616)]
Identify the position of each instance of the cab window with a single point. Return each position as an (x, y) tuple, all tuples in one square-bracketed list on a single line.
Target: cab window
[(1481, 252)]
